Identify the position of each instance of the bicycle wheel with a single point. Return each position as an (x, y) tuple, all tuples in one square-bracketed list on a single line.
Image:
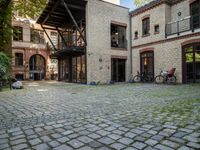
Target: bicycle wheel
[(137, 78), (171, 80), (159, 79)]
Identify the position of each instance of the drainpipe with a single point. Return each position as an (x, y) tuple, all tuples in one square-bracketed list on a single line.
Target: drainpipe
[(130, 22)]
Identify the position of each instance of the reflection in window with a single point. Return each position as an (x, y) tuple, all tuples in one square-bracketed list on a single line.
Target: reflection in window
[(18, 59), (118, 36), (37, 36), (189, 57), (18, 33), (145, 26), (189, 49), (197, 56)]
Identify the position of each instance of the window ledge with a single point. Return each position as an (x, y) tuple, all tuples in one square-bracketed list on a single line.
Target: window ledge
[(146, 35), (117, 48), (156, 32), (19, 67)]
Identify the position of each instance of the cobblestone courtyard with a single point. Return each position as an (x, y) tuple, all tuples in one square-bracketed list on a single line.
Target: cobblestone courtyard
[(63, 116)]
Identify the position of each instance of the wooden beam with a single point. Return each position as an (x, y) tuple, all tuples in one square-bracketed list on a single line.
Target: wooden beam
[(54, 7), (49, 38), (74, 21), (61, 37)]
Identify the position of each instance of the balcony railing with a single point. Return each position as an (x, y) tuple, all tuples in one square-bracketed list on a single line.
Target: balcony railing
[(189, 23)]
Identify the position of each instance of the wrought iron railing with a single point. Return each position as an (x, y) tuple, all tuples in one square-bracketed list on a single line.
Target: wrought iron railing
[(189, 23)]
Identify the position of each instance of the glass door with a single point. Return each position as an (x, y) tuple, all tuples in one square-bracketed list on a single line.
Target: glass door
[(192, 63), (118, 70), (197, 63), (147, 64)]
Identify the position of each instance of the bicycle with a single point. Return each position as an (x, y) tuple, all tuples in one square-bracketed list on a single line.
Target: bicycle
[(141, 78), (166, 77)]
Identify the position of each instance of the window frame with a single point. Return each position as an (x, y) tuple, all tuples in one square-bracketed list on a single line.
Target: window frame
[(39, 36), (135, 35), (124, 43), (19, 61), (157, 25), (18, 33), (146, 26)]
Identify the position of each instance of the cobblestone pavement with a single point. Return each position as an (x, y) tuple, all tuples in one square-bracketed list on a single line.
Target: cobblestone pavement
[(63, 116)]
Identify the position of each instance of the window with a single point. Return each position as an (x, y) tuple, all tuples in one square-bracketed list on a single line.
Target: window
[(54, 38), (147, 64), (195, 14), (118, 34), (18, 34), (18, 59), (156, 29), (136, 35), (37, 36), (145, 26)]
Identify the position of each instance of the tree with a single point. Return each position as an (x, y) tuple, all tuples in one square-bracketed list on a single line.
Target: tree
[(30, 8), (139, 3), (5, 23), (4, 66)]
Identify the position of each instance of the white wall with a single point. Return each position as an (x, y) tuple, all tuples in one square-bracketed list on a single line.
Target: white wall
[(113, 1)]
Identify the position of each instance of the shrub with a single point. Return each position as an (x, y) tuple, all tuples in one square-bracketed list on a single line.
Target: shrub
[(4, 66)]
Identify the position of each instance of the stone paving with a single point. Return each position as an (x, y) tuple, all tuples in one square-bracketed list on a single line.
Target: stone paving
[(63, 116)]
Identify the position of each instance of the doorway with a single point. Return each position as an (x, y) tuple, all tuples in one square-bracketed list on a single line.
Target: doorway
[(37, 67), (72, 69), (147, 64), (191, 63), (118, 70)]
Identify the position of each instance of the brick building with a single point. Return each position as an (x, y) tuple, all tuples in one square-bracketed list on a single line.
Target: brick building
[(166, 34), (102, 42), (94, 44), (30, 51)]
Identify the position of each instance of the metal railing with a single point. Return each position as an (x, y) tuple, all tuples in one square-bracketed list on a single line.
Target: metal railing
[(189, 23)]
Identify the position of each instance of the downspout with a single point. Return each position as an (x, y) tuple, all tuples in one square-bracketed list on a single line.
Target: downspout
[(131, 58)]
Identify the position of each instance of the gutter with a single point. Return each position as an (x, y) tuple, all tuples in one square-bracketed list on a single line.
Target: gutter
[(130, 22)]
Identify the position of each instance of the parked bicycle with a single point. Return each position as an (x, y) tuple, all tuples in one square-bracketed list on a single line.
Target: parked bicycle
[(142, 77), (166, 77)]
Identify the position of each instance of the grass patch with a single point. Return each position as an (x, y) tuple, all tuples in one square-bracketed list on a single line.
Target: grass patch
[(6, 88), (181, 111)]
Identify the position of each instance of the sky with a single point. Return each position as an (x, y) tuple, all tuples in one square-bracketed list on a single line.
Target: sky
[(128, 3)]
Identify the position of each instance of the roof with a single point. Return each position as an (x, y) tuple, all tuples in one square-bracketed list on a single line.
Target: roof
[(56, 15), (153, 4)]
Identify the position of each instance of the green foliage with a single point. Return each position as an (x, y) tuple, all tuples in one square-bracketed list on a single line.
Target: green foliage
[(139, 3), (5, 24), (30, 8), (4, 66)]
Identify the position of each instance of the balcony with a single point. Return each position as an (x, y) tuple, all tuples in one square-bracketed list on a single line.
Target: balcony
[(188, 24)]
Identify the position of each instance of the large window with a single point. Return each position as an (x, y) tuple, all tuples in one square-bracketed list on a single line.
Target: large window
[(146, 26), (37, 36), (118, 36), (54, 38), (18, 33), (195, 14), (18, 59), (191, 63)]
